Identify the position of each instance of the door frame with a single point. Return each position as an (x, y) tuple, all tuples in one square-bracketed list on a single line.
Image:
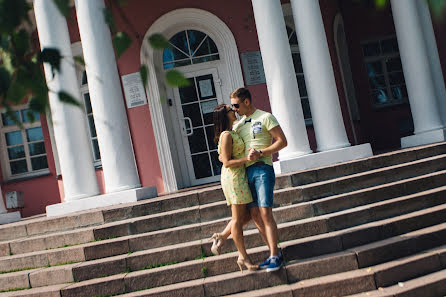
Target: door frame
[(231, 75)]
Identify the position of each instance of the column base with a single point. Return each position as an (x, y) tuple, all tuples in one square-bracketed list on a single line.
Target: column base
[(428, 137), (108, 199), (323, 158), (10, 217)]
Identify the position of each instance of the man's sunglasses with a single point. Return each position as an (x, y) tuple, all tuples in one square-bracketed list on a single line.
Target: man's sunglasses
[(235, 105)]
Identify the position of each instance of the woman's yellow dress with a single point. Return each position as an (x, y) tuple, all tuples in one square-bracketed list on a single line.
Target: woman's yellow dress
[(234, 180)]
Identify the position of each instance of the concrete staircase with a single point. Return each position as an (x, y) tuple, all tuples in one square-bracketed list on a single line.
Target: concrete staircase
[(371, 227)]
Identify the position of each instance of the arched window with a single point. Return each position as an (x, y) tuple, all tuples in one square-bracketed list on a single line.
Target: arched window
[(189, 47), (292, 38)]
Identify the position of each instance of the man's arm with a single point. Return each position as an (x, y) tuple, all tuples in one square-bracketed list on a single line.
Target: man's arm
[(279, 143)]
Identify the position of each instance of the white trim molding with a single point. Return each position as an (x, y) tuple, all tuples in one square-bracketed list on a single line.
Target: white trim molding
[(168, 25)]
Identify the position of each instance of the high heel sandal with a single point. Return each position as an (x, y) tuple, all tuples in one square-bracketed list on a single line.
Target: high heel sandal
[(247, 263), (217, 242)]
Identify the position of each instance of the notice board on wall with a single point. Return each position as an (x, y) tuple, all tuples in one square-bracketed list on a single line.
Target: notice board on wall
[(134, 92), (253, 68)]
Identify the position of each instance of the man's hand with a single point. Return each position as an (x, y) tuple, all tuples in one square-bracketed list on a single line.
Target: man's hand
[(253, 155)]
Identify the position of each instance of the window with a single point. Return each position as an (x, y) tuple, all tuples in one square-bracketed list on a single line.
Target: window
[(385, 72), (23, 150), (189, 47), (89, 112), (292, 38)]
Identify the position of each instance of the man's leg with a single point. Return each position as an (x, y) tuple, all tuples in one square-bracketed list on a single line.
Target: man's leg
[(270, 226), (257, 218), (263, 180)]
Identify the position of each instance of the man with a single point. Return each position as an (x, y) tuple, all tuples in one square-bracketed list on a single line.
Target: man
[(258, 129)]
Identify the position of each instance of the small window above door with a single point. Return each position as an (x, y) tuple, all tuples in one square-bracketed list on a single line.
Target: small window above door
[(189, 47)]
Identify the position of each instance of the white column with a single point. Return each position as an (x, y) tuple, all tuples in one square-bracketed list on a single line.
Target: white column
[(115, 144), (70, 122), (280, 76), (418, 75), (319, 76), (434, 59)]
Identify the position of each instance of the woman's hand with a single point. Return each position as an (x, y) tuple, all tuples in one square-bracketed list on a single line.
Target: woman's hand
[(253, 155)]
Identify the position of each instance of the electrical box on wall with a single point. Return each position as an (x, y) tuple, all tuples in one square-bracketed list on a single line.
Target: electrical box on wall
[(14, 199)]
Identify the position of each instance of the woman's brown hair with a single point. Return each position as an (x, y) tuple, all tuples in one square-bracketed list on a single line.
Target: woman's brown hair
[(221, 122)]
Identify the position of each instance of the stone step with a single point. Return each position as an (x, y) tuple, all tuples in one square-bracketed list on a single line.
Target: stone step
[(50, 291), (217, 210), (313, 246), (361, 165), (361, 180), (422, 274), (339, 284), (430, 285), (43, 225), (321, 224), (190, 198)]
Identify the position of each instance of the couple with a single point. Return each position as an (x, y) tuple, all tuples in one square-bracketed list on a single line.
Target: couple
[(245, 148)]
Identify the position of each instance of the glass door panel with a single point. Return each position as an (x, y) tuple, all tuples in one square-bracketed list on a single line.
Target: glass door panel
[(196, 103)]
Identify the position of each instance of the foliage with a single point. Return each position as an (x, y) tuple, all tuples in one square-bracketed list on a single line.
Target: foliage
[(21, 77), (437, 6)]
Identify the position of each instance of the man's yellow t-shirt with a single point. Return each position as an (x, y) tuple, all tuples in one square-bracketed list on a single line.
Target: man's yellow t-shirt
[(254, 132)]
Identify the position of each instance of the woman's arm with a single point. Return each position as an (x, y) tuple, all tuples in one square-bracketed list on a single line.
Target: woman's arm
[(226, 153)]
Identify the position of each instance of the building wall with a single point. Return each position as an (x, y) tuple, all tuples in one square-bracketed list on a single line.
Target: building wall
[(379, 127), (38, 192)]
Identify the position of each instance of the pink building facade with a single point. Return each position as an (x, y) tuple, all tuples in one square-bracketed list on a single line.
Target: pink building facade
[(221, 45)]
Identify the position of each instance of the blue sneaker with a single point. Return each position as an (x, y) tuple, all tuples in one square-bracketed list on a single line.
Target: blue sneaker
[(274, 264), (265, 263)]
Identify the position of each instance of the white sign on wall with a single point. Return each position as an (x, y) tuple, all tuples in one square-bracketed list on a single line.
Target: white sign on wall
[(134, 90), (253, 68)]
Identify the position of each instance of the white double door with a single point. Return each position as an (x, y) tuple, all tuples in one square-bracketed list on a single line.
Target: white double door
[(194, 105)]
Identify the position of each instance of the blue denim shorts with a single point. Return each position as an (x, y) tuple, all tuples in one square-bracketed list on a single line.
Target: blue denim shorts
[(261, 179)]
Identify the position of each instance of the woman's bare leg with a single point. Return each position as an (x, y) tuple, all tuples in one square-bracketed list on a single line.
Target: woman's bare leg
[(258, 221), (238, 218)]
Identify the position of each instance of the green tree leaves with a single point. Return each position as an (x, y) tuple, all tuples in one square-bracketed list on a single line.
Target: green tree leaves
[(438, 7), (121, 42), (157, 41), (173, 77), (144, 72), (51, 56), (63, 6), (12, 15), (176, 79), (67, 98)]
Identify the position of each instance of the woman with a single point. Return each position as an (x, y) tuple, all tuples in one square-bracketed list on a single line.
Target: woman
[(233, 179)]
